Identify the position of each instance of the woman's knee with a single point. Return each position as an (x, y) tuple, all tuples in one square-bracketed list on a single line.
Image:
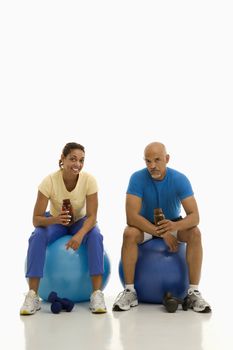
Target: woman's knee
[(39, 234), (95, 234)]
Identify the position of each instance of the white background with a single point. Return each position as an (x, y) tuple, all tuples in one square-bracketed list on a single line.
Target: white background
[(114, 76)]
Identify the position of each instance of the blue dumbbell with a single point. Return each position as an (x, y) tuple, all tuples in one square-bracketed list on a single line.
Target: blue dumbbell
[(65, 303)]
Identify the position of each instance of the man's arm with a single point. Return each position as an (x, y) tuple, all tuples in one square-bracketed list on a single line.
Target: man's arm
[(133, 207), (192, 215), (166, 227), (190, 220)]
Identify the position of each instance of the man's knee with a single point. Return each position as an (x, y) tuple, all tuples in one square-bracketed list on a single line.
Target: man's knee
[(132, 234), (195, 235), (191, 236)]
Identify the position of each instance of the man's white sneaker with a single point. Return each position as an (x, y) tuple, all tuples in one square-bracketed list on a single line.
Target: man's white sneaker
[(125, 300), (97, 304), (196, 301), (31, 303)]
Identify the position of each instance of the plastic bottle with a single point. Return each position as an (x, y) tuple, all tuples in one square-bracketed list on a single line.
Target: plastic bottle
[(158, 215), (67, 206)]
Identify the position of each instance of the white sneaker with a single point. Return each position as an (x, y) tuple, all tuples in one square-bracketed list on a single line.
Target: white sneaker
[(196, 301), (31, 303), (97, 304), (125, 300)]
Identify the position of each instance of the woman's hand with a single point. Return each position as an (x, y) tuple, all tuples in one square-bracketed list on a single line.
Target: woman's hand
[(64, 218), (74, 242)]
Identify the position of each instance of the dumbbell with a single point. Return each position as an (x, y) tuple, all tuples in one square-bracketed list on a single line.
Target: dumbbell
[(59, 304), (56, 307), (171, 303)]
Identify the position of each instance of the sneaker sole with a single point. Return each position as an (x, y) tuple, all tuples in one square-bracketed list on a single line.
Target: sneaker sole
[(206, 310), (28, 313), (98, 311), (118, 308)]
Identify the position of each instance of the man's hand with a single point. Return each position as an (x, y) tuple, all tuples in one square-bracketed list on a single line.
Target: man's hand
[(165, 226), (171, 241)]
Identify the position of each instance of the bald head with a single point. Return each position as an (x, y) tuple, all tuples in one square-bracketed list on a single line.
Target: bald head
[(156, 159), (155, 147)]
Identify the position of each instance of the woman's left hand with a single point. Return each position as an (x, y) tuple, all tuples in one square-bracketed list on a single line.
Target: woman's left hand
[(74, 242)]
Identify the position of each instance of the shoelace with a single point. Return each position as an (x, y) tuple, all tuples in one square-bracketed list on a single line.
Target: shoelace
[(99, 298), (122, 294), (28, 300), (200, 299), (195, 292)]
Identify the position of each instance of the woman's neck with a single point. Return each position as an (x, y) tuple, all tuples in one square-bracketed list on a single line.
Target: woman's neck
[(70, 181)]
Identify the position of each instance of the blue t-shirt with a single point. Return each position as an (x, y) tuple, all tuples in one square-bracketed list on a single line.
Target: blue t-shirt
[(166, 194)]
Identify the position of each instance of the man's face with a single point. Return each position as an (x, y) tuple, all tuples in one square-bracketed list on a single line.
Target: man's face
[(156, 162)]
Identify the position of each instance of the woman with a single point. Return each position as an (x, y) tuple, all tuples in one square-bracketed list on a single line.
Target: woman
[(81, 189)]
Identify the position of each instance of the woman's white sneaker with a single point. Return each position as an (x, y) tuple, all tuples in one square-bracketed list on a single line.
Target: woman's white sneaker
[(97, 304), (31, 303)]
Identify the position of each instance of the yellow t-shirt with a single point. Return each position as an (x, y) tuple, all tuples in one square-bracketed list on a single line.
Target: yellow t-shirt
[(54, 189)]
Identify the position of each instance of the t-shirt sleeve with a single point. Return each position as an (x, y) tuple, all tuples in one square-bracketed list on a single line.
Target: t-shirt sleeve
[(45, 186), (184, 188), (135, 186), (92, 186)]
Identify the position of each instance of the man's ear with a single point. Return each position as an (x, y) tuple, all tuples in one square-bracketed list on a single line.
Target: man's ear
[(167, 158)]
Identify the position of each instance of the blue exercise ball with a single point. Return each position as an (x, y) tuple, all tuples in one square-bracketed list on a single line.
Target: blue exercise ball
[(159, 271), (66, 272)]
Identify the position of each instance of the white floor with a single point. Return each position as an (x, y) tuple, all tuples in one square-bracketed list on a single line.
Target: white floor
[(143, 326)]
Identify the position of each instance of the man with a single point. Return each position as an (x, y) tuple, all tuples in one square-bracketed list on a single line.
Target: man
[(158, 186)]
